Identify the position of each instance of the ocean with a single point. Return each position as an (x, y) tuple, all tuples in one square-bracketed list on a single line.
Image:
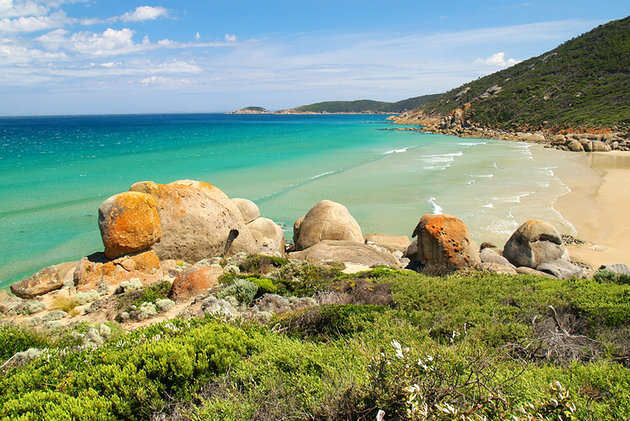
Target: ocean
[(55, 172)]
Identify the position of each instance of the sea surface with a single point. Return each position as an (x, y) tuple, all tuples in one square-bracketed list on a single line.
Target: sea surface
[(55, 172)]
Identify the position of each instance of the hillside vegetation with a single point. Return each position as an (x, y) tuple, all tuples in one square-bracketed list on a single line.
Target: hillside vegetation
[(583, 83), (470, 346), (365, 105)]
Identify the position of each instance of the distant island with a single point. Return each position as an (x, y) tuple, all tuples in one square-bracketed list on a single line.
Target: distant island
[(363, 106), (251, 110)]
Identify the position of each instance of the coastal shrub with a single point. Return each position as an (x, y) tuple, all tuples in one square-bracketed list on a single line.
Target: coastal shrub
[(265, 286), (259, 264), (243, 290), (332, 321), (602, 303), (19, 338), (301, 278), (603, 276)]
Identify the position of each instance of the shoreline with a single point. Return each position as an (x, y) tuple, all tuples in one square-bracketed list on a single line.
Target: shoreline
[(596, 206)]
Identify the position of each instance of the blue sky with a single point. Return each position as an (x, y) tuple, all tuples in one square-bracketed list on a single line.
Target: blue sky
[(103, 57)]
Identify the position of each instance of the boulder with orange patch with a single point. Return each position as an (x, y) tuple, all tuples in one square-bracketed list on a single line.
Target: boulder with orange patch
[(443, 240), (198, 221), (194, 281), (129, 223)]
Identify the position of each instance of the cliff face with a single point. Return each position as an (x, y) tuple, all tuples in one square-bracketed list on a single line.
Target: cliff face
[(582, 85)]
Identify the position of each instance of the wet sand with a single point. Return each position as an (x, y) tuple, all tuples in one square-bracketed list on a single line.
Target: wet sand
[(598, 207)]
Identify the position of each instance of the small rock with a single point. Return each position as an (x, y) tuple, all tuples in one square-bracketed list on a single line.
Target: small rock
[(46, 280), (392, 243), (194, 281), (529, 271), (619, 268), (497, 268), (489, 255)]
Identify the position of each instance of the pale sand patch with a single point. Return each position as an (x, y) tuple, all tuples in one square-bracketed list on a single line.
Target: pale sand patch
[(598, 207)]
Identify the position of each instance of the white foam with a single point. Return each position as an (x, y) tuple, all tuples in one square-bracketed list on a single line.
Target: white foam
[(397, 150), (322, 174), (472, 143), (437, 209), (446, 159), (488, 205), (483, 175)]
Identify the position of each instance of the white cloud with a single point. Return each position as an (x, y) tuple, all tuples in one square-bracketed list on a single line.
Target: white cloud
[(498, 60), (230, 38), (166, 82), (27, 24), (144, 13), (110, 42), (197, 36)]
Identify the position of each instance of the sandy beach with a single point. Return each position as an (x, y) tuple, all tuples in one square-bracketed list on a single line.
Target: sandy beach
[(597, 206)]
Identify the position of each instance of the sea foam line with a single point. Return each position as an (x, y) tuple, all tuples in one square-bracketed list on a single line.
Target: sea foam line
[(437, 209)]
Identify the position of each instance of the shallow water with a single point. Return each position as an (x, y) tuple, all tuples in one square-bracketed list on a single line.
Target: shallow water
[(55, 171)]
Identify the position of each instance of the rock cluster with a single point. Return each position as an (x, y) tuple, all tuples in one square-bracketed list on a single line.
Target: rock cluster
[(190, 234), (458, 123)]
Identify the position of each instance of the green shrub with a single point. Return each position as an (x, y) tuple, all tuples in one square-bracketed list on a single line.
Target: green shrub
[(17, 339), (243, 290), (265, 286), (603, 276)]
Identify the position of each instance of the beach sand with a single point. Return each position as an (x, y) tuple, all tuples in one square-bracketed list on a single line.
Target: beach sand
[(597, 206)]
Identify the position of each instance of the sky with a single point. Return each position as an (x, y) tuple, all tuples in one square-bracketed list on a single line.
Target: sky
[(60, 57)]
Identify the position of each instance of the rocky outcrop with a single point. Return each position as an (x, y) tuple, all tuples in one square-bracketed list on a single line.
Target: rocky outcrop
[(327, 220), (491, 256), (347, 252), (96, 272), (392, 243), (443, 241), (249, 210), (194, 281), (268, 235), (44, 281), (129, 223), (198, 221)]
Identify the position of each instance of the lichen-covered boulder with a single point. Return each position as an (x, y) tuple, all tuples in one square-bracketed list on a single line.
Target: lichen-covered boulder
[(444, 241), (268, 235), (392, 243), (347, 252), (129, 223), (96, 272), (327, 220), (248, 209), (194, 281), (533, 243), (44, 281), (198, 221)]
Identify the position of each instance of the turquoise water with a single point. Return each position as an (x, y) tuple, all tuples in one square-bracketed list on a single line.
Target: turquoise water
[(55, 172)]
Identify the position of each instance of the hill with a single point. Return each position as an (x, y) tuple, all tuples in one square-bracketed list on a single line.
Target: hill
[(582, 84), (364, 106)]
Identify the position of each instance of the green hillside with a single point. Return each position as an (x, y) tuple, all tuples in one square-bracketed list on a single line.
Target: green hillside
[(366, 105), (584, 83)]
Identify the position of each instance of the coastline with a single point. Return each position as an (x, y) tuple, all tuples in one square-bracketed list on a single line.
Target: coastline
[(596, 206)]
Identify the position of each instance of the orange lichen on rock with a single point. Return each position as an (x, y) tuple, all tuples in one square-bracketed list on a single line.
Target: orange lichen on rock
[(129, 223), (194, 281), (444, 240)]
